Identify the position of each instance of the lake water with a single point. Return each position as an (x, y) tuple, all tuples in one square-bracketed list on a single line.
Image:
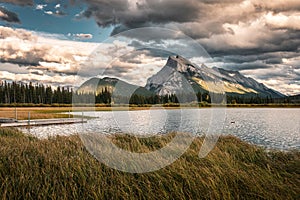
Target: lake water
[(277, 128)]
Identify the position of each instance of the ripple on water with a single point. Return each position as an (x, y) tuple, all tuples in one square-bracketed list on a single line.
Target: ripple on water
[(269, 127)]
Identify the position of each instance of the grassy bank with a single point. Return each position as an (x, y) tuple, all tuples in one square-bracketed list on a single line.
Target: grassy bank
[(55, 112), (104, 106), (61, 168), (35, 112), (52, 112)]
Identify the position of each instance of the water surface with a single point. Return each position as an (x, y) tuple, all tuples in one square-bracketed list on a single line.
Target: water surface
[(277, 128)]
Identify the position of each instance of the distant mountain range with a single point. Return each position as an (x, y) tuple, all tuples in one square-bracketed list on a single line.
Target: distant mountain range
[(181, 76)]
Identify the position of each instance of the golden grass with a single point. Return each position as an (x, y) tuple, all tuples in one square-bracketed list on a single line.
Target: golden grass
[(35, 112), (61, 168), (55, 112)]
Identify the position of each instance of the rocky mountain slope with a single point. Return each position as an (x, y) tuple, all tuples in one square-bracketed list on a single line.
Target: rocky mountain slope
[(180, 75)]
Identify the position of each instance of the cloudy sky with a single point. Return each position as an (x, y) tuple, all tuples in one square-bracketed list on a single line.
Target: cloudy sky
[(65, 42)]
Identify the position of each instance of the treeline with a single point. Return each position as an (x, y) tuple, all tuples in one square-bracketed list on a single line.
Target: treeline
[(106, 97), (13, 92), (20, 93), (253, 99)]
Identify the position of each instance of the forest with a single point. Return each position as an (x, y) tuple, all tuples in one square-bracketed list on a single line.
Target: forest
[(20, 93)]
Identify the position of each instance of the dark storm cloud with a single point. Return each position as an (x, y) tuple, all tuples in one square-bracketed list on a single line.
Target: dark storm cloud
[(19, 62), (221, 1), (268, 58), (133, 14), (246, 66), (154, 34), (119, 29), (8, 16), (277, 6), (112, 12), (195, 18), (202, 20), (273, 61), (276, 41)]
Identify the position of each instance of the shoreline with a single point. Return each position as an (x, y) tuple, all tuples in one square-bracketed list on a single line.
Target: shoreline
[(171, 105), (23, 113)]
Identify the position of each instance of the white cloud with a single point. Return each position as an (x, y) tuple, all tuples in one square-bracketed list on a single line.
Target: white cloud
[(281, 77), (51, 60), (80, 35), (48, 12), (36, 77), (283, 86), (40, 6), (35, 52), (57, 6), (283, 21), (83, 36)]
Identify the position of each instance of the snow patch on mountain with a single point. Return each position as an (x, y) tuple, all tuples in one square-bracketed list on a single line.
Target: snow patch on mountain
[(180, 75)]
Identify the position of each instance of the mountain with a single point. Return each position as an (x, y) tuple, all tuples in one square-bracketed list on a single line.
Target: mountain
[(181, 76), (113, 85)]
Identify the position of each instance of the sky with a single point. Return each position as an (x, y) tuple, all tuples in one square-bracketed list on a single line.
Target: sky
[(66, 42)]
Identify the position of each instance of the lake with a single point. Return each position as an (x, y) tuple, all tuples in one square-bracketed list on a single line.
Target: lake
[(277, 128)]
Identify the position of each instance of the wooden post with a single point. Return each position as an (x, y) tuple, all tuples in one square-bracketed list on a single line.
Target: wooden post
[(16, 113), (29, 122), (82, 117), (69, 114), (28, 118)]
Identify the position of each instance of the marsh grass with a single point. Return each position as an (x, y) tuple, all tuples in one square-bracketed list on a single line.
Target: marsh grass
[(61, 168), (35, 112)]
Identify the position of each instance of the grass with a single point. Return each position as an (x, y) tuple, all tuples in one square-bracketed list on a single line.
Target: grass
[(35, 112), (55, 112), (61, 168), (49, 112)]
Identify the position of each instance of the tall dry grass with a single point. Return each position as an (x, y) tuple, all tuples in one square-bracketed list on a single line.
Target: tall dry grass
[(61, 168)]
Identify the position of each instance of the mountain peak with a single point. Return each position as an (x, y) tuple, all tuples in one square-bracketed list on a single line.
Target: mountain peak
[(180, 64), (173, 61), (178, 70)]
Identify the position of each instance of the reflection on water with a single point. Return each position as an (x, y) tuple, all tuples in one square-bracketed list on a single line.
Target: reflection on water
[(273, 128)]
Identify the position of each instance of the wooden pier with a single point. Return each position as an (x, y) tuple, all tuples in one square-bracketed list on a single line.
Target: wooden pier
[(43, 122)]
